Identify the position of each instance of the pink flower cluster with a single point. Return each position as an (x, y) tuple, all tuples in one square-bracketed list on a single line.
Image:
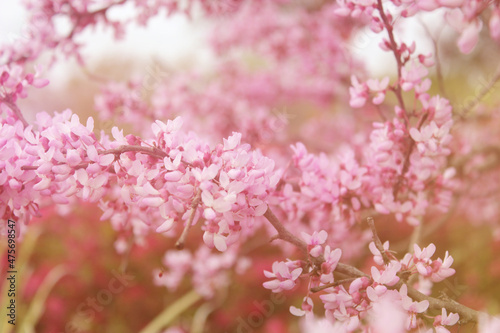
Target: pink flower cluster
[(328, 193), (465, 16), (435, 270), (242, 98), (208, 271), (352, 305), (167, 179)]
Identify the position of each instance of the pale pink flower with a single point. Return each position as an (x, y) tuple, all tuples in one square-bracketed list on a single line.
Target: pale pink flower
[(445, 320), (388, 275), (332, 258), (488, 324), (315, 241), (386, 314), (470, 36), (284, 279), (358, 92), (307, 307), (412, 74), (380, 87), (412, 307), (494, 24), (377, 256), (441, 268)]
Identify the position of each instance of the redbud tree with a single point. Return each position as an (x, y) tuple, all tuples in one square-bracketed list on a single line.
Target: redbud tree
[(287, 145)]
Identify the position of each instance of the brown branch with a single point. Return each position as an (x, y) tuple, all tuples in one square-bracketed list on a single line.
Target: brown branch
[(406, 164), (466, 314), (394, 47), (333, 284), (194, 205), (376, 240), (283, 233), (151, 151), (16, 111)]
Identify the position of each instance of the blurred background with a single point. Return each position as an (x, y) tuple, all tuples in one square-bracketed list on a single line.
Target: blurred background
[(68, 255)]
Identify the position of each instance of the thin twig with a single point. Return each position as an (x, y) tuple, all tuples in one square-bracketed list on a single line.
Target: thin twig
[(415, 237), (194, 205), (333, 284), (151, 151), (394, 48), (439, 71), (406, 164), (376, 240), (16, 111), (466, 314), (283, 233)]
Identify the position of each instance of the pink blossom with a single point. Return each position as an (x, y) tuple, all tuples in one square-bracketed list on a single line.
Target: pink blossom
[(386, 315), (315, 241), (412, 307), (437, 270), (349, 320), (377, 256), (494, 24), (441, 268), (380, 87), (469, 37), (388, 275), (332, 258), (412, 74), (358, 92), (488, 324), (445, 320), (284, 279), (307, 306)]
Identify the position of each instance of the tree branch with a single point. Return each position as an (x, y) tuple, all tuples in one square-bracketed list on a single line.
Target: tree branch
[(194, 205), (16, 111), (376, 240), (151, 151), (466, 314), (155, 152), (406, 164), (283, 233), (333, 284), (394, 48)]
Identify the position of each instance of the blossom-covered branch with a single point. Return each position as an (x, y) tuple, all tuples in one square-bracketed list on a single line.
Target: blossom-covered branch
[(376, 284)]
